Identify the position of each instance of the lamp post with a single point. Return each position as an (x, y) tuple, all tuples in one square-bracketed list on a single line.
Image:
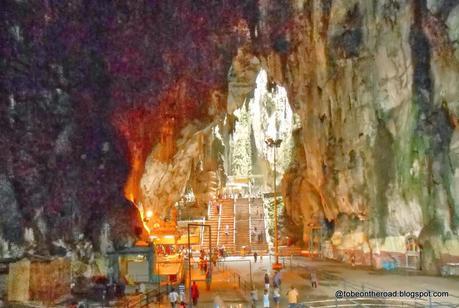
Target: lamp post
[(275, 144)]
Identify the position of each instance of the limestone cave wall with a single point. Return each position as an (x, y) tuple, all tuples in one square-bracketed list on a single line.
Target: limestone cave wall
[(375, 85), (102, 98)]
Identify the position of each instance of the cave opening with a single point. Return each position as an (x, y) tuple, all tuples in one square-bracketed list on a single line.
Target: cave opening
[(124, 122), (188, 169)]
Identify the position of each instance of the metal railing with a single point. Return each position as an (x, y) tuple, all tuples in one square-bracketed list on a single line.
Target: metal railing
[(348, 285), (250, 221), (144, 300), (365, 302), (374, 302), (241, 283), (234, 224), (220, 211)]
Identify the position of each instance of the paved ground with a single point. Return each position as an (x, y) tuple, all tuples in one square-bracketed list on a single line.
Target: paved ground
[(332, 276), (335, 276), (224, 285)]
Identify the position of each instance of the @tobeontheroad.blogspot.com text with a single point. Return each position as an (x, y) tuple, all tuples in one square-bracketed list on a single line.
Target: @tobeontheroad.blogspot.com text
[(390, 294)]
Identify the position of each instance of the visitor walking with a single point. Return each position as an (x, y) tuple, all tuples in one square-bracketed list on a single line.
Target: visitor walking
[(266, 281), (255, 255), (266, 299), (181, 289), (292, 295), (218, 302), (215, 258), (226, 230), (314, 279), (173, 298), (194, 293), (204, 266), (208, 278), (277, 280), (276, 296), (254, 297)]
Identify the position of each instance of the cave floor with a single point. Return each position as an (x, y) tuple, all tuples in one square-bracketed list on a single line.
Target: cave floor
[(333, 276)]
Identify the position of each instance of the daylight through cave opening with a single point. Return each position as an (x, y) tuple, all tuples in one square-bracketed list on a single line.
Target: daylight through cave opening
[(186, 170)]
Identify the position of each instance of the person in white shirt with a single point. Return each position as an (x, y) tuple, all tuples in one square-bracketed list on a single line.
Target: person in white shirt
[(292, 295), (173, 298), (266, 299), (276, 296), (181, 289), (254, 297)]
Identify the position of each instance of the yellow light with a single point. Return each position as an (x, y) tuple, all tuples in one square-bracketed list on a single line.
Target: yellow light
[(149, 214)]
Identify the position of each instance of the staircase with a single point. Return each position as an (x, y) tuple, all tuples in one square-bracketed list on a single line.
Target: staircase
[(257, 222), (227, 219), (248, 219), (218, 223), (212, 220), (242, 224)]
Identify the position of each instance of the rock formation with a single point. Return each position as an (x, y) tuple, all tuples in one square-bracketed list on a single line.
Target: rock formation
[(368, 80), (150, 99)]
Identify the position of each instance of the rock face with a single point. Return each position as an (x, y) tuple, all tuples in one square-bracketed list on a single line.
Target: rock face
[(372, 86), (195, 166), (92, 90), (62, 168)]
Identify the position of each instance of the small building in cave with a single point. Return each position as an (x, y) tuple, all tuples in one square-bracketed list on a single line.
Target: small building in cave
[(155, 262), (133, 264)]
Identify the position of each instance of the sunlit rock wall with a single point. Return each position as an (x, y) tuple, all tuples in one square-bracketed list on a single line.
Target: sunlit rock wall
[(375, 85), (259, 110), (195, 165)]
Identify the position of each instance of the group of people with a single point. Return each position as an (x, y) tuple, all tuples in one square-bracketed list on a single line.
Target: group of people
[(257, 256), (257, 236), (165, 249), (178, 298), (276, 283), (205, 267), (292, 294)]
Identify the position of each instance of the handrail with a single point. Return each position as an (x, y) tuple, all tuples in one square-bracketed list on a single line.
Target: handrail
[(267, 236), (367, 302), (349, 285), (250, 221), (234, 225), (145, 299), (242, 283), (201, 235), (219, 223)]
